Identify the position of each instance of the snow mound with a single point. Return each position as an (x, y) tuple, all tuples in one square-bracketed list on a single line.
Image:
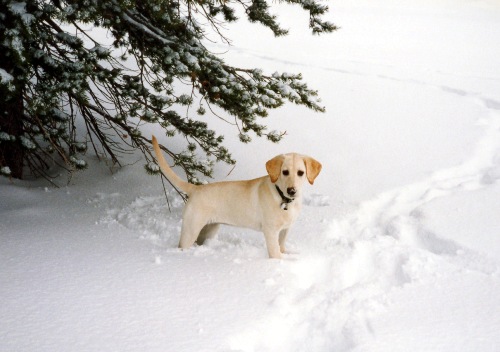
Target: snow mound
[(149, 217), (317, 200)]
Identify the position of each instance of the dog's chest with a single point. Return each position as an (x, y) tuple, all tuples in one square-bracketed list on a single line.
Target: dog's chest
[(287, 216)]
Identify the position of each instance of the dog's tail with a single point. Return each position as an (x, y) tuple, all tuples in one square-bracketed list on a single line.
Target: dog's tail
[(184, 186)]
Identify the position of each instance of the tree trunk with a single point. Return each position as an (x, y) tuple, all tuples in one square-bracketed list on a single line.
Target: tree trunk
[(12, 153), (11, 122)]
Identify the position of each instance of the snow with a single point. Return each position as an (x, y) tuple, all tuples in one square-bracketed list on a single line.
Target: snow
[(398, 243), (5, 76), (19, 8), (27, 143), (5, 137), (5, 170)]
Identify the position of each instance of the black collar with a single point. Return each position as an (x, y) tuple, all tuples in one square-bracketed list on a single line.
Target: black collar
[(284, 200)]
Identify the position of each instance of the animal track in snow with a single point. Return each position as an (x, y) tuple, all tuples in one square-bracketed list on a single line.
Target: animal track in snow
[(346, 276)]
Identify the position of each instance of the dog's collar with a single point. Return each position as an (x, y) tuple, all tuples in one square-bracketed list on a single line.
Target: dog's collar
[(284, 199)]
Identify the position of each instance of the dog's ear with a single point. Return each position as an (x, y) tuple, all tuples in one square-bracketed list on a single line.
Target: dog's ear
[(273, 167), (313, 167)]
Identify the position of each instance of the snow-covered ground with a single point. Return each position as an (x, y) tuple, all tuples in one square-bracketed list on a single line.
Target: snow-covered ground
[(398, 243)]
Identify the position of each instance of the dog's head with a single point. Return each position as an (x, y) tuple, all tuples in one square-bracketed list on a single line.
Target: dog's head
[(288, 172)]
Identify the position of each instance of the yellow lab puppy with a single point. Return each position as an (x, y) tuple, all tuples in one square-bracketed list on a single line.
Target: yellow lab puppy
[(269, 204)]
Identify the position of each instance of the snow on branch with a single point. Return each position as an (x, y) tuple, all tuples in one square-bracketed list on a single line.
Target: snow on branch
[(155, 69)]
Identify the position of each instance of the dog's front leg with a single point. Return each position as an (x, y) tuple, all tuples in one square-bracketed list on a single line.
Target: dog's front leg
[(272, 242), (282, 239)]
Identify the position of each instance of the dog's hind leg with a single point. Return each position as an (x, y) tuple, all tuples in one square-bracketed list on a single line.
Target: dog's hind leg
[(192, 225), (189, 233), (209, 231)]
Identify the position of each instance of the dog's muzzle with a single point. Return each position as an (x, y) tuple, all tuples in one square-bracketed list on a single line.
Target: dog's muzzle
[(284, 199)]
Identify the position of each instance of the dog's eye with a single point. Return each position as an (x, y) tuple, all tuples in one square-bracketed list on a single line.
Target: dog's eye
[(300, 173), (286, 172)]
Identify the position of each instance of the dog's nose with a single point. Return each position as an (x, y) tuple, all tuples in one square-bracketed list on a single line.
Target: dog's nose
[(291, 191)]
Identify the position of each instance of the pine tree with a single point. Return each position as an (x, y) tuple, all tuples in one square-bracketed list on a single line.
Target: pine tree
[(55, 75)]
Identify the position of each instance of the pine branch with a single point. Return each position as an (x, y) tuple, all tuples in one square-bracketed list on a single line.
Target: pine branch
[(65, 74)]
